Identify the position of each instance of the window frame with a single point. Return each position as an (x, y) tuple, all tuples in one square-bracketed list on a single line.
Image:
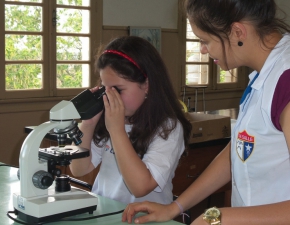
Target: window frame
[(213, 85), (48, 62)]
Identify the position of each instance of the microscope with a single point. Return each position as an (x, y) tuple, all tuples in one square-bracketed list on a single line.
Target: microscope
[(39, 200)]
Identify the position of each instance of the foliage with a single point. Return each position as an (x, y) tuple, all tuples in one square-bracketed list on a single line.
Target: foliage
[(24, 46), (222, 76)]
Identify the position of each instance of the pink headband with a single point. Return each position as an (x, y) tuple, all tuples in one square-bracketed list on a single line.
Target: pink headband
[(126, 57)]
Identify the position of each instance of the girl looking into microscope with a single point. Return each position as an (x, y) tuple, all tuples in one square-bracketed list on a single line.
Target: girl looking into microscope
[(140, 135)]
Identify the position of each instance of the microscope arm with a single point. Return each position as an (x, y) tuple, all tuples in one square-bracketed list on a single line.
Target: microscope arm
[(61, 116), (29, 162)]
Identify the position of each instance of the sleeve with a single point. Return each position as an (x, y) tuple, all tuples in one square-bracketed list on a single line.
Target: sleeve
[(281, 98), (96, 154), (163, 156)]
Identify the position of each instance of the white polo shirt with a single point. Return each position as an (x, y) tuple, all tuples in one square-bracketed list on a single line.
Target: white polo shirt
[(161, 159)]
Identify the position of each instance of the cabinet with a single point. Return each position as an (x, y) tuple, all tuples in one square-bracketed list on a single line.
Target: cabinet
[(194, 161), (191, 164)]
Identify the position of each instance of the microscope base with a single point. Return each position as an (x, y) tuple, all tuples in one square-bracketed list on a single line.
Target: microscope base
[(55, 217), (54, 206)]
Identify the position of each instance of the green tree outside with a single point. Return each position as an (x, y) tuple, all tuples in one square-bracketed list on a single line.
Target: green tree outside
[(23, 47)]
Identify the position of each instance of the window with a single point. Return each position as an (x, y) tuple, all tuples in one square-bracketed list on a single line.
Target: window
[(47, 47), (199, 69)]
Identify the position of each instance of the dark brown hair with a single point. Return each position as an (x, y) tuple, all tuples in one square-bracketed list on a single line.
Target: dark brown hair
[(161, 105)]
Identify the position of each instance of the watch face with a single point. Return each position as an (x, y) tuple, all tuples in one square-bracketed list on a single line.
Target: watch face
[(212, 213)]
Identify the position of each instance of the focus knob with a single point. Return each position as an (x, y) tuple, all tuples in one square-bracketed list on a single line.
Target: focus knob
[(42, 179)]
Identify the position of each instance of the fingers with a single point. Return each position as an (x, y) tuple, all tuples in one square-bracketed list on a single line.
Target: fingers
[(145, 219), (113, 99), (134, 208), (94, 89), (130, 211), (111, 96), (114, 111), (128, 214)]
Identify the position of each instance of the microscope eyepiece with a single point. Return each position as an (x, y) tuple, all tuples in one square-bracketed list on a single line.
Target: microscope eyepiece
[(88, 104)]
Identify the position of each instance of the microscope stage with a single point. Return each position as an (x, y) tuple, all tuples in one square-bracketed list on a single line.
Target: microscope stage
[(68, 152)]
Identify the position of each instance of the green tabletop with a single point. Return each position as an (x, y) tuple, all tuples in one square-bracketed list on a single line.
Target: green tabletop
[(10, 184)]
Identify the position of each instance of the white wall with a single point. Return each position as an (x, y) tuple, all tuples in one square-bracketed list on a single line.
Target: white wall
[(148, 13), (285, 6), (154, 13)]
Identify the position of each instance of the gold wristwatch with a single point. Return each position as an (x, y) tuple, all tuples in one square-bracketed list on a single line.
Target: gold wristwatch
[(212, 216)]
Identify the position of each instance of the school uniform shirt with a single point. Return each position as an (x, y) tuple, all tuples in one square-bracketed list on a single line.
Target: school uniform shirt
[(259, 152), (161, 160)]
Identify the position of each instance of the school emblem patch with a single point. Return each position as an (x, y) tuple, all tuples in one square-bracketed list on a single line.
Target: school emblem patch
[(245, 145), (107, 147)]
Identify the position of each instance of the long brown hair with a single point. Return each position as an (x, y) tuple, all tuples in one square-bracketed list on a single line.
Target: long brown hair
[(161, 105)]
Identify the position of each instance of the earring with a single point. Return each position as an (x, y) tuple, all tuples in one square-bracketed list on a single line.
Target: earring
[(240, 43), (146, 96)]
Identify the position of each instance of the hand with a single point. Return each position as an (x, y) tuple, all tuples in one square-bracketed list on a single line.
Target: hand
[(114, 110), (156, 212)]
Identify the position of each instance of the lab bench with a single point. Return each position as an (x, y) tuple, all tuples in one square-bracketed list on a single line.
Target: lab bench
[(10, 184)]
